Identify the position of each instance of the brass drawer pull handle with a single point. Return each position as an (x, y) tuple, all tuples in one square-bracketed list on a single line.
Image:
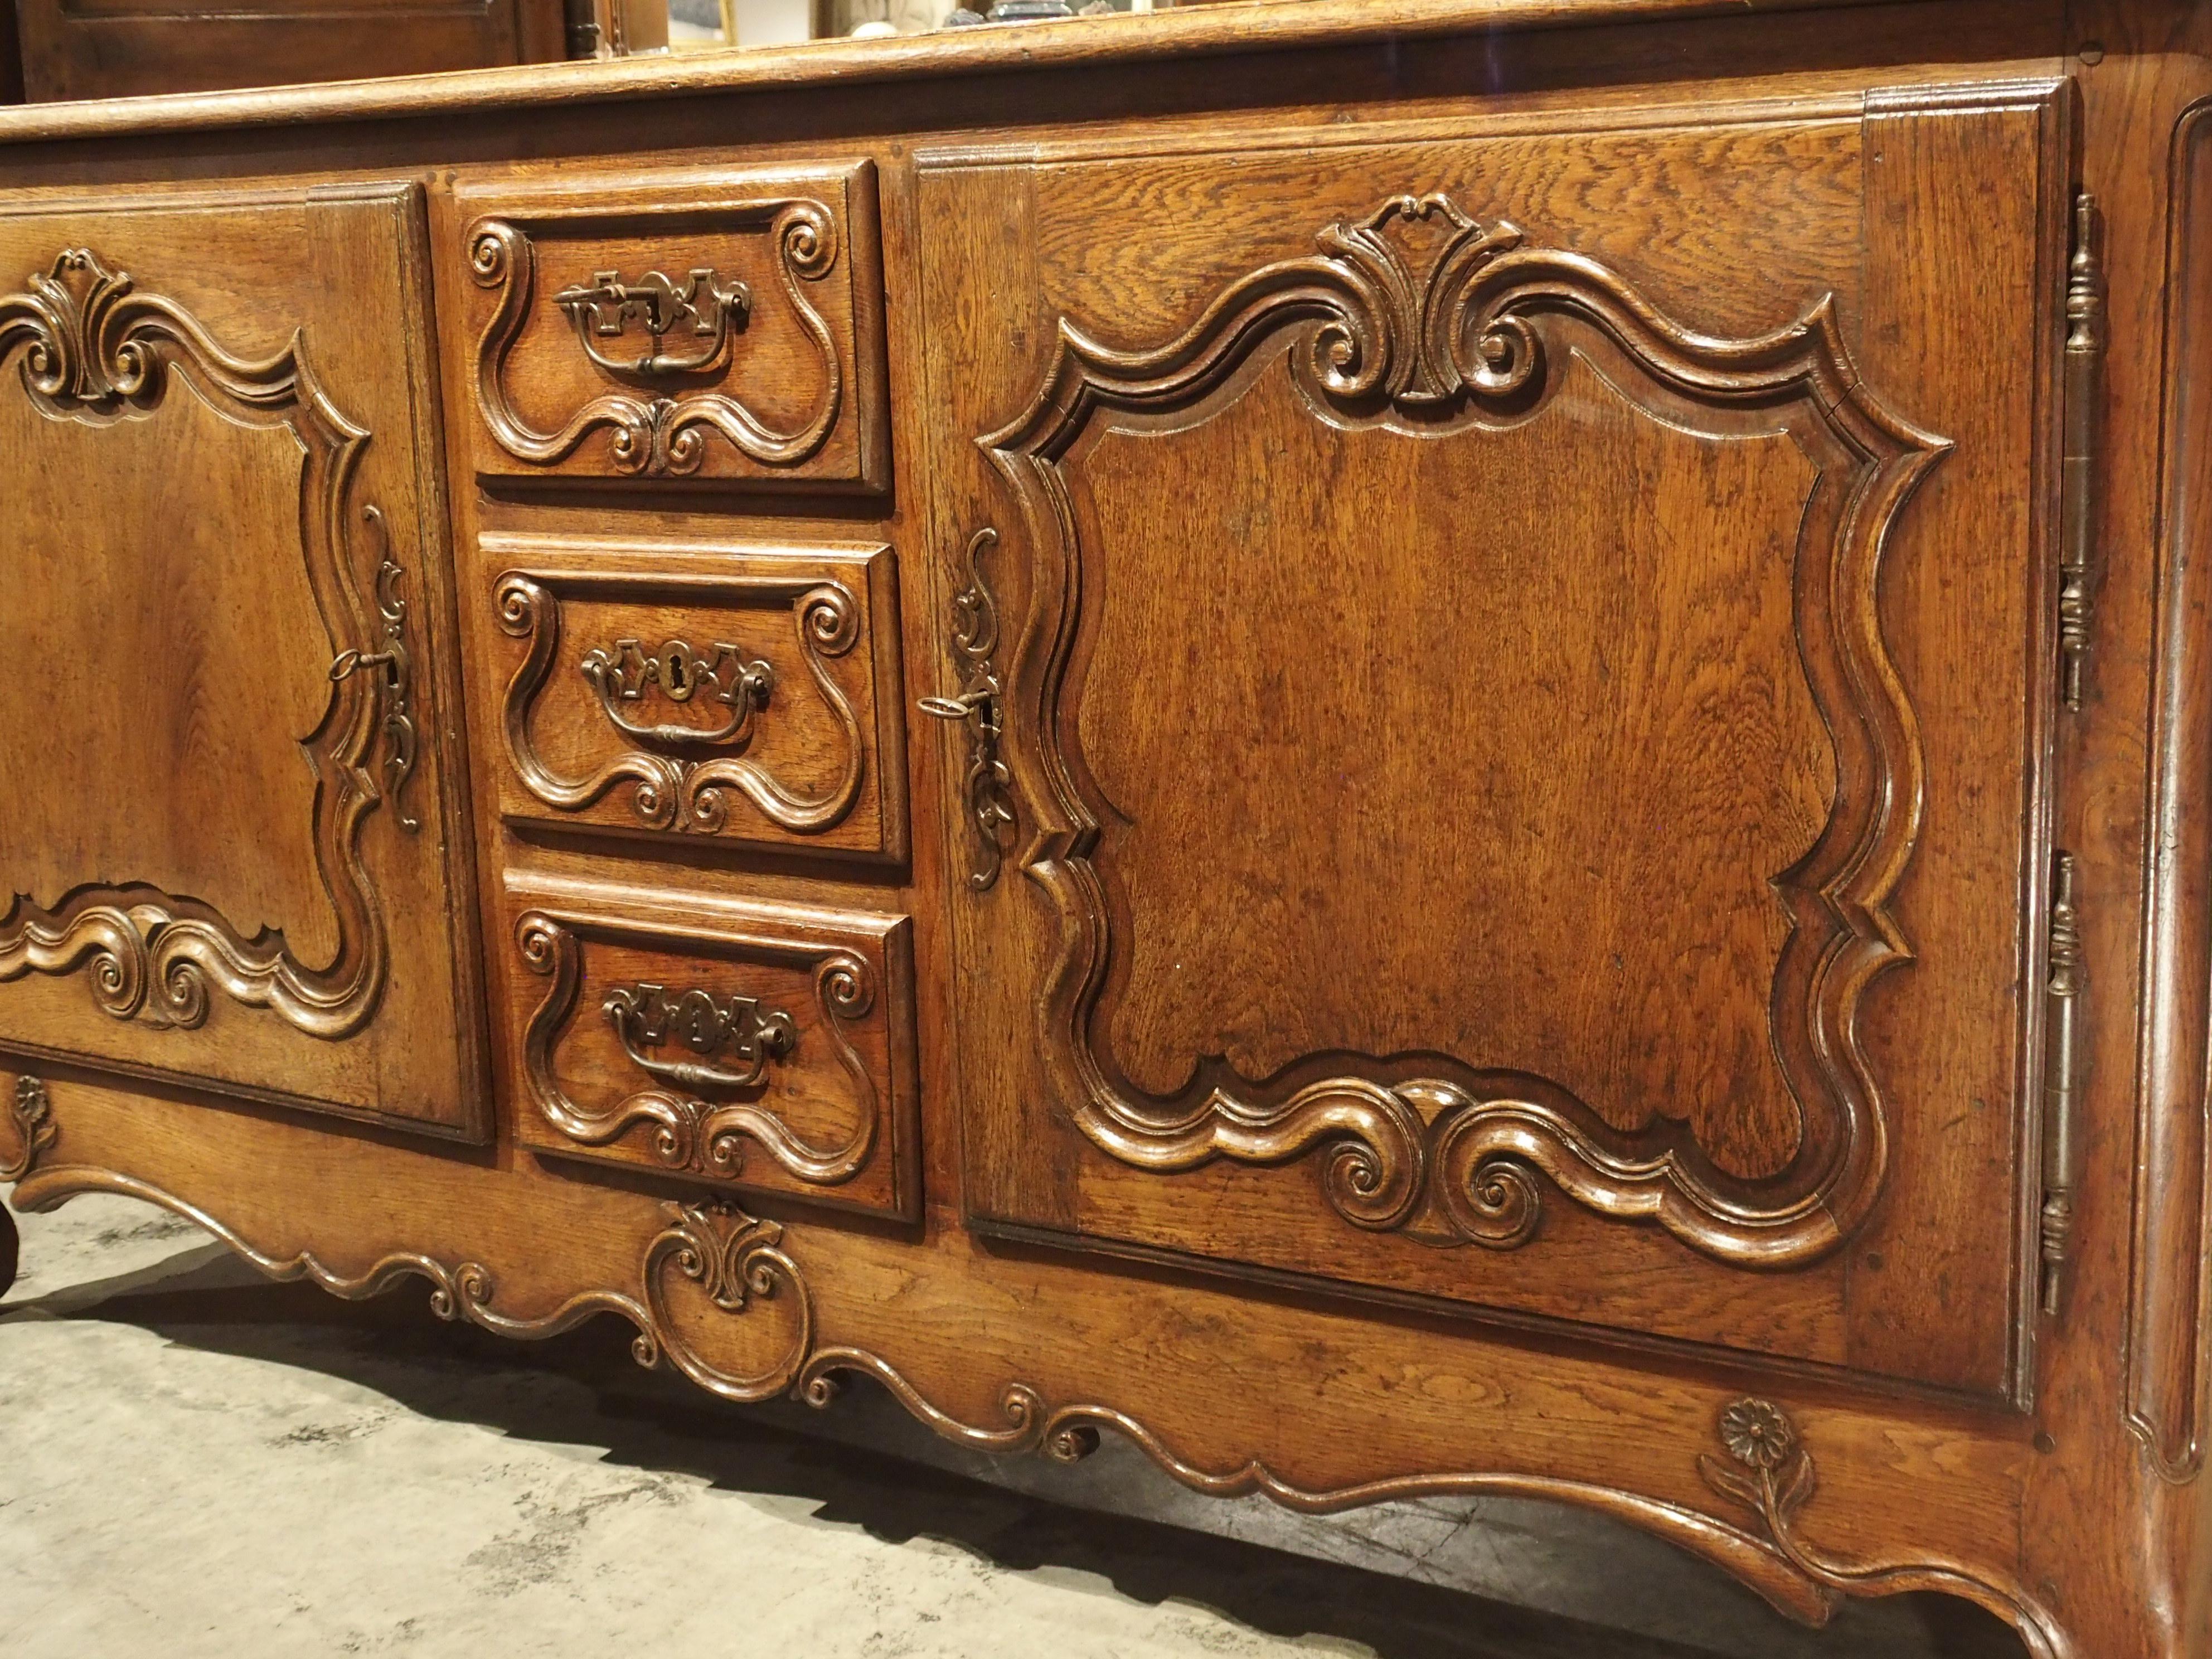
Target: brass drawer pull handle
[(645, 1017), (604, 307), (622, 675), (980, 703)]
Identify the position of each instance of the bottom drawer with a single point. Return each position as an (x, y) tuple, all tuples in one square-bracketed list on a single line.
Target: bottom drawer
[(766, 1046)]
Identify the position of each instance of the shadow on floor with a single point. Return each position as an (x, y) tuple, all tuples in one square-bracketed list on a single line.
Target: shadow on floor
[(583, 1389)]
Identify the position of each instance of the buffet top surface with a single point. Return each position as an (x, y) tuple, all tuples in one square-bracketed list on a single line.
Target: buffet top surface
[(1159, 37)]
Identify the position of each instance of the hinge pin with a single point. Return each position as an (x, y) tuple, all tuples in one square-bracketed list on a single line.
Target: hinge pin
[(2084, 360)]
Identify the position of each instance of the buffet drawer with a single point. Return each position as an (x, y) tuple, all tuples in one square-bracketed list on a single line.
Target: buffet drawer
[(764, 1046), (721, 325), (731, 694)]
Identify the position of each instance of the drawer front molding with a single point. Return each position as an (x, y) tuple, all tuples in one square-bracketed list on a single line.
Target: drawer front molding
[(673, 790), (660, 435), (1465, 338), (95, 350), (690, 1045), (689, 1132), (742, 693), (711, 326)]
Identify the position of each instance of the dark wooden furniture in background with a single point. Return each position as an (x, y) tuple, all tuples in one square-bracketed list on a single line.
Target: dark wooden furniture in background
[(130, 48), (1162, 725), (11, 56)]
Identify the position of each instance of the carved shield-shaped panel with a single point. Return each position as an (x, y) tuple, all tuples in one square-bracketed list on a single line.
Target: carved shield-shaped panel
[(1480, 775)]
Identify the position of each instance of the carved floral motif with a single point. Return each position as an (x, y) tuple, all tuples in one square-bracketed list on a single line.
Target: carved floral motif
[(1773, 1477), (1470, 336), (32, 1111), (741, 1268), (94, 350)]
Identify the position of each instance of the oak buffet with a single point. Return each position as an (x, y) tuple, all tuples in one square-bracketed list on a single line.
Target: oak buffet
[(1430, 747)]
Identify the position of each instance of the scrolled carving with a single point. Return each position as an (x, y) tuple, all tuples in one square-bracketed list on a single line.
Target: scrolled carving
[(690, 1130), (747, 1270), (1467, 337), (673, 789), (31, 1109), (95, 349), (734, 1259), (658, 436)]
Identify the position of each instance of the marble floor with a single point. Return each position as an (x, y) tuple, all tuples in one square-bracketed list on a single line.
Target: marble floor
[(196, 1462)]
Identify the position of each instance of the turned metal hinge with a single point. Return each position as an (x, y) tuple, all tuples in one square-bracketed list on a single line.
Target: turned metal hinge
[(2077, 513), (2061, 1136)]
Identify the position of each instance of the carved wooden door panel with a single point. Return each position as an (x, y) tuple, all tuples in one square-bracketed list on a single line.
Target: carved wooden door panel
[(235, 850), (1504, 683)]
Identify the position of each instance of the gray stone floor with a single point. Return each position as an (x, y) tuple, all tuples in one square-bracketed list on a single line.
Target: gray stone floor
[(196, 1462)]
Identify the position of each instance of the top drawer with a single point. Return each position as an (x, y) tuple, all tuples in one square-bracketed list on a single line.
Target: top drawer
[(719, 327)]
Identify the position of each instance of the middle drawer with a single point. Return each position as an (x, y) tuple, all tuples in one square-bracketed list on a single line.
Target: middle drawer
[(740, 694)]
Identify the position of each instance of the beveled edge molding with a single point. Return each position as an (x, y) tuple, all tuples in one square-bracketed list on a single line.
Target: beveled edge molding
[(689, 1133), (107, 356), (741, 1263), (2170, 1290), (679, 791), (659, 436), (1463, 337)]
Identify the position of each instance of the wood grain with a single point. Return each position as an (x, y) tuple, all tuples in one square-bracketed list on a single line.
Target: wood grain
[(788, 386), (593, 737), (1361, 676), (1357, 921), (636, 1049), (205, 541)]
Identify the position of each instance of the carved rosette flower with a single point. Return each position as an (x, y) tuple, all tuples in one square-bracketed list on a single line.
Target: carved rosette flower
[(1757, 1434), (31, 1109), (1772, 1474)]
